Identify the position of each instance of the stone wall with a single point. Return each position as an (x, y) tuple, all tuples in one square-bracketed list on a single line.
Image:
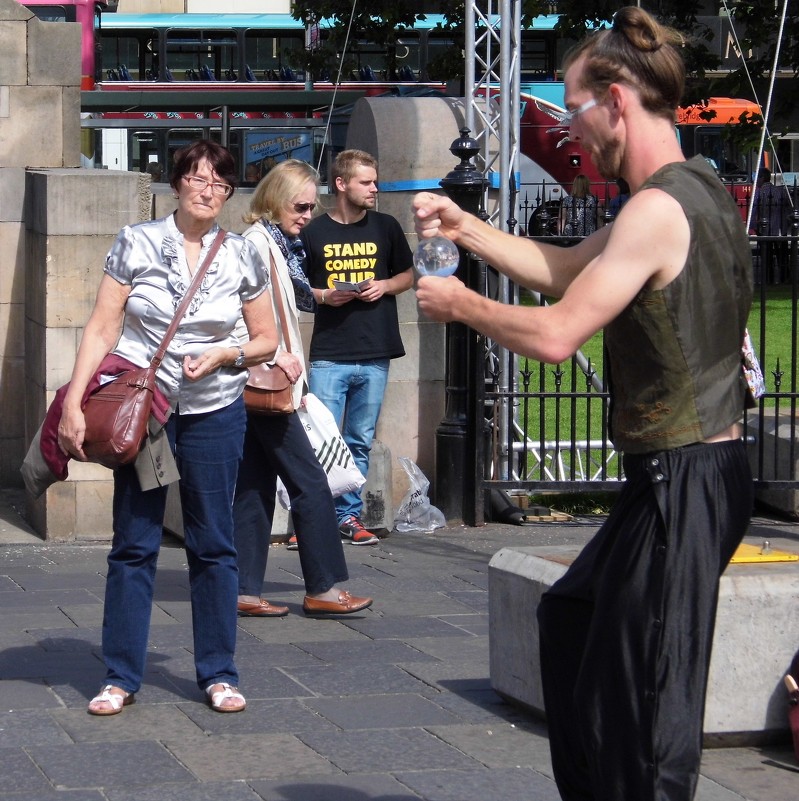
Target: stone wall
[(39, 127), (71, 219)]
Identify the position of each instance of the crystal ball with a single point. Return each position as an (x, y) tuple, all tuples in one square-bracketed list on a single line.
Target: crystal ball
[(436, 256)]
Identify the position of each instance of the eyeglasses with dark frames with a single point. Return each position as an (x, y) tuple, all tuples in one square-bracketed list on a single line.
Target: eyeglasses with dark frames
[(218, 188), (301, 208)]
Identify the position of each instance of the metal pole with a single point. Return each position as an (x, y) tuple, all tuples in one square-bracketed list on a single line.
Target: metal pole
[(454, 485)]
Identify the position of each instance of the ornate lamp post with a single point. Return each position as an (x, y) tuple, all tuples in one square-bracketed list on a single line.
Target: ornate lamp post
[(454, 472)]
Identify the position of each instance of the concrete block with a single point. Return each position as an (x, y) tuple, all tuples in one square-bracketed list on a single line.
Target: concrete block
[(12, 330), (425, 349), (408, 420), (93, 508), (12, 194), (54, 54), (71, 130), (14, 52), (74, 202), (61, 346), (13, 11), (53, 514), (32, 134), (746, 700), (12, 396), (78, 509), (34, 362), (12, 287), (36, 277), (74, 269), (12, 452)]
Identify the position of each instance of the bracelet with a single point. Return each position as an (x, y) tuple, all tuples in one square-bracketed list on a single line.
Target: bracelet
[(322, 297)]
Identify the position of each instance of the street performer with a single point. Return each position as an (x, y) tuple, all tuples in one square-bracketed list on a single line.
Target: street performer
[(626, 633)]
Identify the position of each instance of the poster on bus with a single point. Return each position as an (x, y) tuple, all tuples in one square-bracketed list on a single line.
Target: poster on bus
[(264, 149)]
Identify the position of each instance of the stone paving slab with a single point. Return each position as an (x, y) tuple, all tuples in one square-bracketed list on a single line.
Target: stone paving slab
[(392, 704), (108, 764), (513, 784), (390, 750), (234, 757), (369, 652), (21, 775), (286, 715), (141, 722), (381, 711)]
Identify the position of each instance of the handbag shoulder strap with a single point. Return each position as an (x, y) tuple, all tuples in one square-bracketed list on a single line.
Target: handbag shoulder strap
[(278, 293), (155, 362)]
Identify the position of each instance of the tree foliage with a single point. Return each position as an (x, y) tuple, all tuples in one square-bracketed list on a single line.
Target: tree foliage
[(379, 21)]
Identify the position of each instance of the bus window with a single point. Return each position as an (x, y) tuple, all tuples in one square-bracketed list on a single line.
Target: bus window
[(537, 61), (409, 56), (143, 148), (267, 51), (437, 46), (201, 55), (128, 56)]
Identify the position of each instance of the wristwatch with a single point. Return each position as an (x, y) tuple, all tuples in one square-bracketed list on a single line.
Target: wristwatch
[(239, 362)]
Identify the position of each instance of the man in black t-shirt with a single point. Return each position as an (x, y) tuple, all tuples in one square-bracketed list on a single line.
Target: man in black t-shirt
[(358, 261)]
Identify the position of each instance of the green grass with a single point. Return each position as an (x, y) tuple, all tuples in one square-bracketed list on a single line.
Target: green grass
[(779, 337)]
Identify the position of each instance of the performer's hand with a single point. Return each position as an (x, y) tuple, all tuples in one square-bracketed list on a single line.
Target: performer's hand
[(437, 215), (438, 298)]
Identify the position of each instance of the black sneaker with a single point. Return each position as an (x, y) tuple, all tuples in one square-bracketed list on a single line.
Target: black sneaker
[(354, 530)]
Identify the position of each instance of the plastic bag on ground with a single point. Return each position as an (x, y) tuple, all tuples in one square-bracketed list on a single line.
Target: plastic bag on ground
[(416, 513)]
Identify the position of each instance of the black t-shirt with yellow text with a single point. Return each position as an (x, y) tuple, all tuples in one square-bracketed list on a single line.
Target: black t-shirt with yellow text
[(374, 247)]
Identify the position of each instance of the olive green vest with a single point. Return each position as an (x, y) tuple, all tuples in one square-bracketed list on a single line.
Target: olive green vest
[(675, 353)]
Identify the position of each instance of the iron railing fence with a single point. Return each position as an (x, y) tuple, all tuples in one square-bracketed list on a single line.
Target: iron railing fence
[(545, 427)]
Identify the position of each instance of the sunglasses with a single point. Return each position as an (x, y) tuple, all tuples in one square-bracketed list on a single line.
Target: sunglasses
[(301, 208), (570, 116)]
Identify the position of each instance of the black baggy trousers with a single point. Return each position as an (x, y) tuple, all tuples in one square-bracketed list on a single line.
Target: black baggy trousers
[(626, 633)]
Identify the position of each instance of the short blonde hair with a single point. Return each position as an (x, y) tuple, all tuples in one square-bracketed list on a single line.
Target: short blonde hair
[(276, 189), (346, 164)]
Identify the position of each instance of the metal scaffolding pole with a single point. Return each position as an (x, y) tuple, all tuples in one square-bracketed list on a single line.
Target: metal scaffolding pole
[(493, 69)]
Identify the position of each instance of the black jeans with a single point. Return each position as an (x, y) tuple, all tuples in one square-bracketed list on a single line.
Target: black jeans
[(277, 445), (626, 633)]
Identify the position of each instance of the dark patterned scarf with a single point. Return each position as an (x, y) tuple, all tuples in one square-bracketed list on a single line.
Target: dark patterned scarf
[(294, 254)]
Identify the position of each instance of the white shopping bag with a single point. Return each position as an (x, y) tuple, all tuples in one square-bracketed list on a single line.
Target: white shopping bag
[(332, 452)]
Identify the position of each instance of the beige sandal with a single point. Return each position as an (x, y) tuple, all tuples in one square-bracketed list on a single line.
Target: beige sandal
[(217, 698), (114, 697)]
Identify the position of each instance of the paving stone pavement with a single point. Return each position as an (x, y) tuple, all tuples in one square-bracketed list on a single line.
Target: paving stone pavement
[(393, 704)]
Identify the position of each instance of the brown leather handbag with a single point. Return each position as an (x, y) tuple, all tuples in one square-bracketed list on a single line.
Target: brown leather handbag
[(118, 413), (268, 389)]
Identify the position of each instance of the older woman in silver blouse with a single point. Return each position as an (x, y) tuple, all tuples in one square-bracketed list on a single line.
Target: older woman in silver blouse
[(147, 272)]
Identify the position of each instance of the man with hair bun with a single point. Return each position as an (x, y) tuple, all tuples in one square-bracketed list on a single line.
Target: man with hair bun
[(626, 633)]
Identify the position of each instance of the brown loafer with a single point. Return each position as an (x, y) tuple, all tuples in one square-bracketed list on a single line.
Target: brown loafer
[(262, 609), (345, 605)]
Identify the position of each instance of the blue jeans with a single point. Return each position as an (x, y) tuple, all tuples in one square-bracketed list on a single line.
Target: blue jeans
[(207, 448), (277, 445), (353, 391)]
